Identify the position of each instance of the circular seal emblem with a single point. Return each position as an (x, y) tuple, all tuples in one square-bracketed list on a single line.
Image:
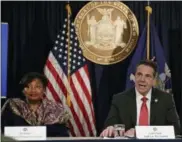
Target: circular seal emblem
[(107, 31), (24, 129), (154, 129)]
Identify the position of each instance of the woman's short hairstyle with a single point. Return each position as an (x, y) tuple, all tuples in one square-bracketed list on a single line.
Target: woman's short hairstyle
[(29, 77)]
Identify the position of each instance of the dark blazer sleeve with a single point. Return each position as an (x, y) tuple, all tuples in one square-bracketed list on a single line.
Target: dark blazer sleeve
[(6, 116), (113, 115), (172, 116), (57, 130)]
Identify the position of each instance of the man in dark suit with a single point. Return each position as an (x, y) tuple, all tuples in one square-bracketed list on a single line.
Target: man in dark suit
[(142, 105)]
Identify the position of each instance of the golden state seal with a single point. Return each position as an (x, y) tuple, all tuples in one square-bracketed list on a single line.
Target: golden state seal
[(107, 31)]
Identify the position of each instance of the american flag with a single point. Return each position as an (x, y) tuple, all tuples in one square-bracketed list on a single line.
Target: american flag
[(82, 122)]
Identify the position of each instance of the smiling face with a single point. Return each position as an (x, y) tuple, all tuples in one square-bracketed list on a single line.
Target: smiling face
[(144, 79), (34, 90)]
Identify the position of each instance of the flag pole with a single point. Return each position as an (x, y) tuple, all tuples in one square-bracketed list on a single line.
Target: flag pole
[(68, 8), (149, 11)]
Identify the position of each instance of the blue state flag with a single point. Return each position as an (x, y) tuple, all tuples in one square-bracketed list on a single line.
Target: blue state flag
[(163, 80), (4, 59)]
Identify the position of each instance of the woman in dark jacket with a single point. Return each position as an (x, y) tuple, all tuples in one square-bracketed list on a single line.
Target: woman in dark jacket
[(35, 109)]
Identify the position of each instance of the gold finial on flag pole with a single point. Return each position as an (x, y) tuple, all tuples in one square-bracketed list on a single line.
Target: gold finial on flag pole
[(68, 8), (149, 11)]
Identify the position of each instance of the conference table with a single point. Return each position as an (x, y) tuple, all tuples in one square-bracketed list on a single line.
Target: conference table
[(99, 139)]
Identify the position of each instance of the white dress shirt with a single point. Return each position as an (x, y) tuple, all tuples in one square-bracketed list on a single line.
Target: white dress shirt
[(139, 104)]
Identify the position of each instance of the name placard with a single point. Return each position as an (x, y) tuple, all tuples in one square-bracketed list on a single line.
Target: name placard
[(26, 133), (155, 132)]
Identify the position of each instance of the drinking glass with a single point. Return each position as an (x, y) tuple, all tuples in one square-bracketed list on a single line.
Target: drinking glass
[(119, 130)]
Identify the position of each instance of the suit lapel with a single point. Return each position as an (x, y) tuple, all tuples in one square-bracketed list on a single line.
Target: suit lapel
[(154, 101), (133, 107)]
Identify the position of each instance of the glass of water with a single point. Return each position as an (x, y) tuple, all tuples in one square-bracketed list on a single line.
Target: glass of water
[(119, 130)]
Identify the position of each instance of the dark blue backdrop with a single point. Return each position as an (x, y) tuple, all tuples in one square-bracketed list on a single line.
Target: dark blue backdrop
[(33, 27)]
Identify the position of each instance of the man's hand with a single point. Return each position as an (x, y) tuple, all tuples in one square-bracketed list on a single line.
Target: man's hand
[(109, 132), (130, 133)]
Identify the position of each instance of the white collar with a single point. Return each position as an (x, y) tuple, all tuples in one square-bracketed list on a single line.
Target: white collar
[(140, 96)]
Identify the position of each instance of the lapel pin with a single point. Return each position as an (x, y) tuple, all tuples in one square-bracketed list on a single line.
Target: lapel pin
[(156, 100)]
